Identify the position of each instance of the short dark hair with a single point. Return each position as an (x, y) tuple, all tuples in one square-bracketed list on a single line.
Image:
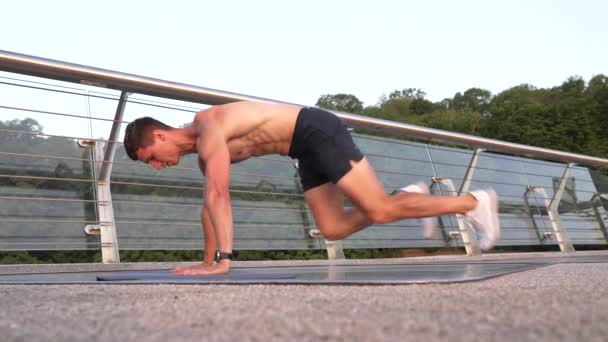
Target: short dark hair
[(139, 134)]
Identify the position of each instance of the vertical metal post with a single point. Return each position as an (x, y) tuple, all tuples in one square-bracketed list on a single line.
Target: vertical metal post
[(466, 232), (540, 237), (334, 250), (106, 167), (561, 234), (597, 198), (468, 176), (107, 226)]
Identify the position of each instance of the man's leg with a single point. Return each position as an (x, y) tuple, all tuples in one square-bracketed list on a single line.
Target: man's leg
[(327, 205), (373, 205)]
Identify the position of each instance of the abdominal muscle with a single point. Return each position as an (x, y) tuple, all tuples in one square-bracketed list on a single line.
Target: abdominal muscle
[(268, 133), (240, 152)]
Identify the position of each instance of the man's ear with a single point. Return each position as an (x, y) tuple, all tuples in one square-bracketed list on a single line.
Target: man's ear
[(159, 134)]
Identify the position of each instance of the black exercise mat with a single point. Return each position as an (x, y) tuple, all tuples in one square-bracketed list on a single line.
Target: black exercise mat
[(168, 275)]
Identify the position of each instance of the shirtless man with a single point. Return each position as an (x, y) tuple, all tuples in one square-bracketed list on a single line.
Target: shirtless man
[(330, 167)]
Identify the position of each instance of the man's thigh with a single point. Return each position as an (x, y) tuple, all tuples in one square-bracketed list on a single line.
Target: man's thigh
[(362, 186), (326, 203)]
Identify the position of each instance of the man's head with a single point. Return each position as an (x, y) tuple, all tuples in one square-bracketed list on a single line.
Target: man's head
[(150, 141)]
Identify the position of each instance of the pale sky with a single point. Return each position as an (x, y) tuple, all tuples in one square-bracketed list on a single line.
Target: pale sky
[(296, 51)]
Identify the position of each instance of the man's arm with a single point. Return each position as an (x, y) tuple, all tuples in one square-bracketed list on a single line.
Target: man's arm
[(209, 235), (217, 211), (213, 151), (208, 228)]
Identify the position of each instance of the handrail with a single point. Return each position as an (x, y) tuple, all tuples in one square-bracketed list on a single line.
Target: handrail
[(76, 73)]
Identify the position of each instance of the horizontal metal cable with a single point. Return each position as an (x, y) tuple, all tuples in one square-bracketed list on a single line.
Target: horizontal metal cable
[(103, 96), (159, 186), (164, 204), (426, 161), (202, 188), (41, 83), (53, 135), (156, 223), (87, 160), (49, 178), (236, 225), (60, 114), (51, 221), (192, 244), (587, 218), (199, 205), (109, 97), (47, 199), (165, 105), (151, 185), (383, 140), (44, 156), (263, 176), (51, 243)]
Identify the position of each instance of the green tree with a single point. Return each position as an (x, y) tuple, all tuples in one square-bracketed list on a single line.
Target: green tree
[(556, 118), (26, 125), (340, 102), (596, 96), (400, 105), (466, 121), (474, 99)]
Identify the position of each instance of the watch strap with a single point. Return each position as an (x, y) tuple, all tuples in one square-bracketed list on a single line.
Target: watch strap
[(223, 255)]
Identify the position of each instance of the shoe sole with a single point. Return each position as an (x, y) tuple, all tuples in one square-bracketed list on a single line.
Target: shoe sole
[(495, 219)]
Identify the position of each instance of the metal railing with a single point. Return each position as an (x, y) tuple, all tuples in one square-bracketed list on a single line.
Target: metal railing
[(70, 72), (105, 225)]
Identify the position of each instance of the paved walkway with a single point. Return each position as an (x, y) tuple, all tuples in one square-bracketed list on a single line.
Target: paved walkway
[(566, 301)]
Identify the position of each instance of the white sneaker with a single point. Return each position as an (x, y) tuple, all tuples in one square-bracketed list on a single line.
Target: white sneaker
[(428, 223), (484, 218)]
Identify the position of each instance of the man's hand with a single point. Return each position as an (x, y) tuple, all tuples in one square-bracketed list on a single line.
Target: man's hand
[(204, 269)]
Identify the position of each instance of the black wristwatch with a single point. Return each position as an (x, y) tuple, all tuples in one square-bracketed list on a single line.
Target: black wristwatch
[(223, 255)]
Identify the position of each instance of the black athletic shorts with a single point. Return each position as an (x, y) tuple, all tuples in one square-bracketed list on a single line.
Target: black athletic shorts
[(323, 147)]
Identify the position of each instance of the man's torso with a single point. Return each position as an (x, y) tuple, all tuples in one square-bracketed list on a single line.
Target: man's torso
[(254, 129)]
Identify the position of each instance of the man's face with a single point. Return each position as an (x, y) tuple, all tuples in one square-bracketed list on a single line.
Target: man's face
[(162, 153)]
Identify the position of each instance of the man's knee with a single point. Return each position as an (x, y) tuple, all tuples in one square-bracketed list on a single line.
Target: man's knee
[(378, 215), (332, 234), (331, 230)]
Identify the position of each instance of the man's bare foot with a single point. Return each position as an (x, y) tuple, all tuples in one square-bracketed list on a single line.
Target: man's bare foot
[(203, 269)]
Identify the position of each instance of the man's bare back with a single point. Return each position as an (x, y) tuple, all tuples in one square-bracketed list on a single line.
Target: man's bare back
[(252, 129)]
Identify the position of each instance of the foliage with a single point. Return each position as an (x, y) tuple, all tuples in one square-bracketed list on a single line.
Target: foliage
[(570, 117)]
